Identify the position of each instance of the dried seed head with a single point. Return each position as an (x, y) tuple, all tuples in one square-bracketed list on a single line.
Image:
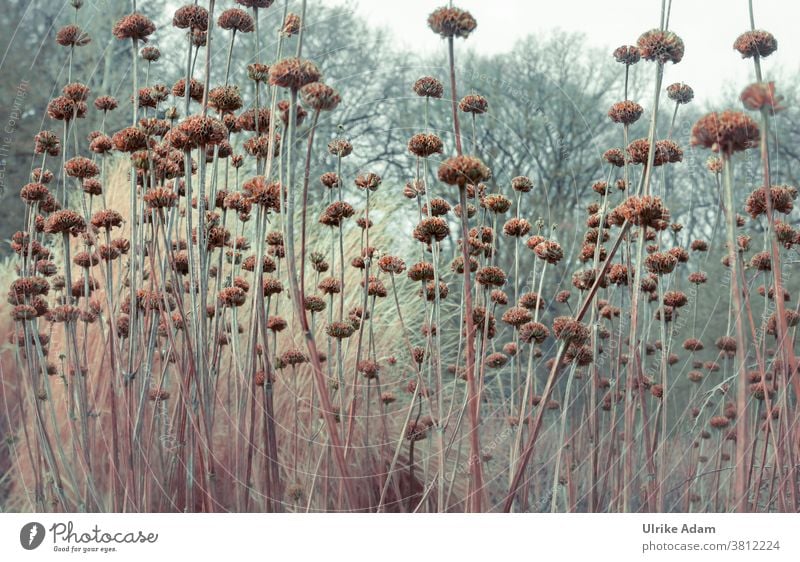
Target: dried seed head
[(236, 19), (452, 22), (474, 104), (134, 26), (661, 46), (756, 43), (627, 55), (428, 87), (293, 73), (680, 93), (625, 112), (320, 97), (726, 132), (760, 96), (425, 144), (461, 170), (72, 36)]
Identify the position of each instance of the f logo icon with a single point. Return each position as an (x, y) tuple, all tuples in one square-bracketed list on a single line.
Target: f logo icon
[(31, 536)]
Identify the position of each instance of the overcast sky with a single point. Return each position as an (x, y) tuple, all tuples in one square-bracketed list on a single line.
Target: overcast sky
[(707, 27)]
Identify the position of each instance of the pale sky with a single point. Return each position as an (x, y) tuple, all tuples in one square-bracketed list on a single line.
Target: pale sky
[(707, 27)]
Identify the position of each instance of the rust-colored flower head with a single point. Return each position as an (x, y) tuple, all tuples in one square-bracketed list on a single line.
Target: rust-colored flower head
[(199, 38), (92, 187), (368, 181), (496, 203), (645, 211), (335, 213), (271, 286), (293, 357), (660, 263), (425, 144), (106, 219), (428, 87), (549, 251), (192, 17), (65, 221), (291, 25), (430, 292), (41, 176), (463, 170), (34, 192), (225, 98), (693, 344), (438, 207), (72, 36), (231, 297), (531, 301), (625, 112), (196, 89), (236, 19), (534, 332), (491, 276), (497, 296), (160, 198), (260, 146), (762, 95), (516, 227), (106, 103), (63, 108), (130, 139), (150, 54), (756, 43), (627, 55), (522, 184), (452, 22), (258, 72), (134, 26), (430, 229), (339, 330), (320, 97), (679, 254), (615, 157), (391, 264), (293, 73), (698, 278), (719, 422), (264, 193), (203, 130), (666, 152), (570, 330), (699, 246), (516, 316), (422, 271), (675, 299), (781, 196), (680, 93), (661, 46), (47, 142), (761, 261), (726, 132), (81, 168), (368, 369), (340, 147), (714, 164), (330, 180), (496, 360), (474, 104)]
